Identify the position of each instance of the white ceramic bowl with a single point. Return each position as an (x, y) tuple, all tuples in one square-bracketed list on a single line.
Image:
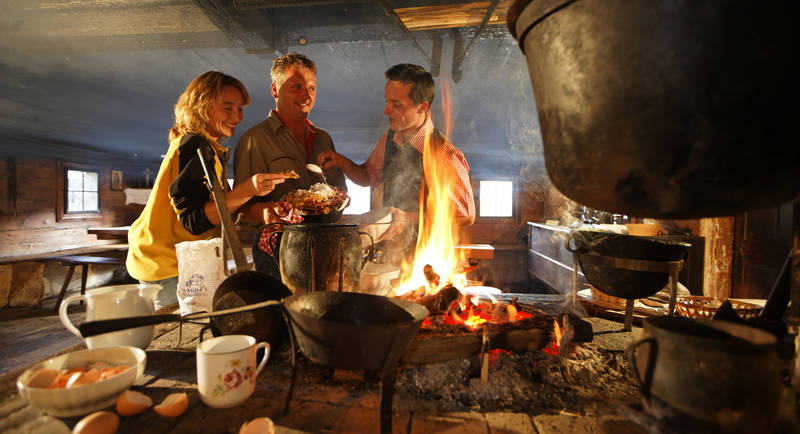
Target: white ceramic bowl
[(85, 398)]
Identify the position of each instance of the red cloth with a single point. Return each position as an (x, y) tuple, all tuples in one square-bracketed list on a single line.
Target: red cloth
[(269, 243), (460, 190)]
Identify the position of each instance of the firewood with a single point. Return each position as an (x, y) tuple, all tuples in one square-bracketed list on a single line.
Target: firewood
[(431, 276), (439, 302)]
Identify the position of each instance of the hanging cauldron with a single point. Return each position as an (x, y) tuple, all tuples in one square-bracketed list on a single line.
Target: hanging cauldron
[(667, 109)]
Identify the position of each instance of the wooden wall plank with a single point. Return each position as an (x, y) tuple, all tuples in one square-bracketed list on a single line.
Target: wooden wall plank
[(28, 215), (121, 19)]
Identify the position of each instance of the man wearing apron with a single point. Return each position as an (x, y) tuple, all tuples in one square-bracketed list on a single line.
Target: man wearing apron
[(396, 160)]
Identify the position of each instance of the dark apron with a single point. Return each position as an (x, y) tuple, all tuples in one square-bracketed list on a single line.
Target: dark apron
[(402, 182)]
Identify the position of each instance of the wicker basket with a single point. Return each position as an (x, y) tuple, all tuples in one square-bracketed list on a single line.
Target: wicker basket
[(608, 301), (705, 307)]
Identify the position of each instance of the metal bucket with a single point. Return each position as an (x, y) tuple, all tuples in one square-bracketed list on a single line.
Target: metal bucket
[(666, 109), (722, 374)]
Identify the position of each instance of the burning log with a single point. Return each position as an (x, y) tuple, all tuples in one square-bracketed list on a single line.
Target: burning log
[(529, 335), (441, 301), (431, 276)]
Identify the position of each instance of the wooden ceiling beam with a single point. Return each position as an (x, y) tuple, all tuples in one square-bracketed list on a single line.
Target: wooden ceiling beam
[(121, 18), (449, 16)]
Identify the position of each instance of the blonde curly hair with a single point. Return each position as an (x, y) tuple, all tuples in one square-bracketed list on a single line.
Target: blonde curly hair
[(191, 110)]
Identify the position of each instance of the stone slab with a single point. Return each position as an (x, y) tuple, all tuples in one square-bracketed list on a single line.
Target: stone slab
[(27, 284), (566, 424), (507, 423), (449, 423)]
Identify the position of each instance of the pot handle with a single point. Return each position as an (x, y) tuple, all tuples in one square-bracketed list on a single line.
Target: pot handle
[(577, 242), (275, 232), (371, 250), (630, 354)]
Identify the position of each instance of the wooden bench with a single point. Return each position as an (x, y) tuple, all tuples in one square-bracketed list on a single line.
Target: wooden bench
[(84, 261)]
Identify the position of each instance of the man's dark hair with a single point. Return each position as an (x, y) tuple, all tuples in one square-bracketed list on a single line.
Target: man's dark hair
[(282, 63), (421, 81)]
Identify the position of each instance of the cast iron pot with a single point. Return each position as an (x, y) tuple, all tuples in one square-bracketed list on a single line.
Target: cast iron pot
[(725, 375), (593, 250), (320, 256), (664, 108)]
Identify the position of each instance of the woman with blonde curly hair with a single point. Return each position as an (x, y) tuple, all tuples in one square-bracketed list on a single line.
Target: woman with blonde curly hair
[(180, 207)]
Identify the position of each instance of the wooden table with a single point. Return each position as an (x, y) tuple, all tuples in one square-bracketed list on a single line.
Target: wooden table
[(110, 233), (73, 261)]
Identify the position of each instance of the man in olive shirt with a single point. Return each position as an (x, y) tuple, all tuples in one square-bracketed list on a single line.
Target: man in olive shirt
[(285, 140)]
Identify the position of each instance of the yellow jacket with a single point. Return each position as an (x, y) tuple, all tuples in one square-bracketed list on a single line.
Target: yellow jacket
[(175, 209)]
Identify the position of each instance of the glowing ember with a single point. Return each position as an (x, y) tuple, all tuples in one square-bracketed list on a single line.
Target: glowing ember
[(495, 354), (552, 347), (473, 315)]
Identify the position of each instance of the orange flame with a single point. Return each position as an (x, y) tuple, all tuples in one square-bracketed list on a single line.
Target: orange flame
[(438, 236), (553, 347), (557, 331)]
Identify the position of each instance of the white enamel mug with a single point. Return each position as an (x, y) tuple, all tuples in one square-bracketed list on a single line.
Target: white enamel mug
[(226, 369)]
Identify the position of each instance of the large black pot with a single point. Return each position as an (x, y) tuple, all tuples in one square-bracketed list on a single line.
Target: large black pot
[(356, 332), (602, 257), (321, 257), (664, 108), (724, 375), (353, 331)]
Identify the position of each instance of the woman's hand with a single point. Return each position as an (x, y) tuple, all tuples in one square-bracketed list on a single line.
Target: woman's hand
[(259, 184), (264, 183), (274, 212)]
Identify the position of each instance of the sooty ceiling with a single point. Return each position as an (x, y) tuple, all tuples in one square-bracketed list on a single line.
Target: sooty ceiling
[(99, 78)]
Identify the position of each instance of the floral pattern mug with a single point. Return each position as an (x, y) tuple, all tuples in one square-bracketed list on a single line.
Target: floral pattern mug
[(226, 369)]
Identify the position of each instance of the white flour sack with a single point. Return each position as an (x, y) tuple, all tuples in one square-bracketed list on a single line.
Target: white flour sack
[(199, 274)]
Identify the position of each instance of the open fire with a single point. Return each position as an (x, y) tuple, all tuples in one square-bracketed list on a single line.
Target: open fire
[(474, 313)]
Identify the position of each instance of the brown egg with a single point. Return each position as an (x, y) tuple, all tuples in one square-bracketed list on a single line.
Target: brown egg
[(100, 422), (261, 425), (131, 402), (42, 378), (174, 405)]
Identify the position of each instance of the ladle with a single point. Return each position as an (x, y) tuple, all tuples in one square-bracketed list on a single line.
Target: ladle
[(313, 168)]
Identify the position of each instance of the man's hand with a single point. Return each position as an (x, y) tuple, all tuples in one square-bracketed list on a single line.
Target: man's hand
[(401, 220), (333, 160)]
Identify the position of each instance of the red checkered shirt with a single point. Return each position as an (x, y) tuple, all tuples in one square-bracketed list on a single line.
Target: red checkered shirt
[(267, 242), (449, 156)]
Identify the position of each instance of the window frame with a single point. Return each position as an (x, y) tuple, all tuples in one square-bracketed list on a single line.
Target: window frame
[(61, 193), (514, 200)]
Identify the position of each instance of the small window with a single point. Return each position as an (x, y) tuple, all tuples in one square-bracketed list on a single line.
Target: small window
[(78, 192), (359, 198), (496, 198), (82, 191)]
